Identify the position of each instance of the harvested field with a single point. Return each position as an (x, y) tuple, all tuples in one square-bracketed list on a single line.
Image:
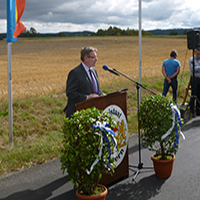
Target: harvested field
[(41, 66)]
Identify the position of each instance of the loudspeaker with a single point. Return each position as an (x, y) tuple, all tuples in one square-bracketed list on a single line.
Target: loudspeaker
[(193, 39)]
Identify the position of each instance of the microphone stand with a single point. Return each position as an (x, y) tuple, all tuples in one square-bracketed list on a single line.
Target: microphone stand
[(138, 85)]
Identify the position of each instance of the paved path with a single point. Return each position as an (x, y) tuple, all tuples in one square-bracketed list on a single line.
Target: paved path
[(46, 181)]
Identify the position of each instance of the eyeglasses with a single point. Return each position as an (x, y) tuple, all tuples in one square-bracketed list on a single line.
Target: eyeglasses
[(93, 57)]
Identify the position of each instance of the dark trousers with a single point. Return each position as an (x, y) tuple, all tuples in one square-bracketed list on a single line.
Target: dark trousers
[(173, 84), (195, 96)]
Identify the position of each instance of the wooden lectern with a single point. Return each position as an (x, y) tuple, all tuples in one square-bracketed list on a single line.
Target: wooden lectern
[(118, 99)]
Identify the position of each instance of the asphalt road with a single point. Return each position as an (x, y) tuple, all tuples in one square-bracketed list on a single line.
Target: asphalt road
[(46, 181)]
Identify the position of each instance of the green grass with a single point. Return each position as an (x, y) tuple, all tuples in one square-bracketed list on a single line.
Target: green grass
[(37, 123)]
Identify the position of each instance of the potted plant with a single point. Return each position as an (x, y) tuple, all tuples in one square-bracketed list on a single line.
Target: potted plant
[(87, 150), (161, 124)]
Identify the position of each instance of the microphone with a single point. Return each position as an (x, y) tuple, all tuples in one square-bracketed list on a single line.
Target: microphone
[(105, 67)]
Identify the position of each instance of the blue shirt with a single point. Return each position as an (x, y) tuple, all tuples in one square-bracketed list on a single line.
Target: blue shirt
[(170, 66), (196, 67)]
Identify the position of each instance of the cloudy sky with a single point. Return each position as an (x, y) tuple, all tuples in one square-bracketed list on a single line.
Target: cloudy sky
[(48, 16)]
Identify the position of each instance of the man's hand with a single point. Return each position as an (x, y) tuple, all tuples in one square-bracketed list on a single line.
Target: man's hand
[(168, 79), (92, 96)]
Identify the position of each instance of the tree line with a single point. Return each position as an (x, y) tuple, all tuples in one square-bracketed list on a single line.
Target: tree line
[(114, 31), (111, 31)]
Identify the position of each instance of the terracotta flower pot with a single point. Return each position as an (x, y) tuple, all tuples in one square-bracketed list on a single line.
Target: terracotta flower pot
[(101, 196), (163, 168)]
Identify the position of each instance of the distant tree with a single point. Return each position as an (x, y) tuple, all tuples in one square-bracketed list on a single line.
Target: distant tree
[(123, 32), (26, 33), (100, 32), (110, 31), (61, 34), (185, 32), (118, 34), (114, 31), (31, 33), (174, 32), (146, 32)]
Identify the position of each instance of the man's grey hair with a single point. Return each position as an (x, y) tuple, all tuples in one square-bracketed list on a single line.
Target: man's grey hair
[(86, 51)]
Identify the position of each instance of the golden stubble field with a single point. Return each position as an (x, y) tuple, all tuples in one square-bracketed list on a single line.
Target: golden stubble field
[(41, 66)]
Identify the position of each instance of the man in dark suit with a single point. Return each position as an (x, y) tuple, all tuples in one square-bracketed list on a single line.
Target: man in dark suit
[(81, 83)]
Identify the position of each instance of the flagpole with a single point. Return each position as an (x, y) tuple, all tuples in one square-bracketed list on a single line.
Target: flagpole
[(10, 106), (140, 49), (15, 9)]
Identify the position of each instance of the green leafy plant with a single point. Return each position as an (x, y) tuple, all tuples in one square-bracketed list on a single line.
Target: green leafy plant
[(155, 118), (81, 147)]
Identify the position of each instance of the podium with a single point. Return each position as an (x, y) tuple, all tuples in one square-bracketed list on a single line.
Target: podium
[(117, 99)]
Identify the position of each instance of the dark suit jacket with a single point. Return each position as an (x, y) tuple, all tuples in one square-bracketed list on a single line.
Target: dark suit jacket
[(78, 87)]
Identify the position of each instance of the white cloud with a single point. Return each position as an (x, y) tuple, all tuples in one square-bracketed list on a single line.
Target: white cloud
[(3, 25), (79, 15), (60, 27)]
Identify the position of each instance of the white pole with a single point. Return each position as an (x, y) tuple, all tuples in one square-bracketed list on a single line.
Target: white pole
[(140, 49), (10, 108)]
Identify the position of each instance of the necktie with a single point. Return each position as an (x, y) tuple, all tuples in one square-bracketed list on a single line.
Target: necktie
[(93, 82)]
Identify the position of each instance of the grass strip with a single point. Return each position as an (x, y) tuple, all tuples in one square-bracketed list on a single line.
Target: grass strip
[(37, 123)]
